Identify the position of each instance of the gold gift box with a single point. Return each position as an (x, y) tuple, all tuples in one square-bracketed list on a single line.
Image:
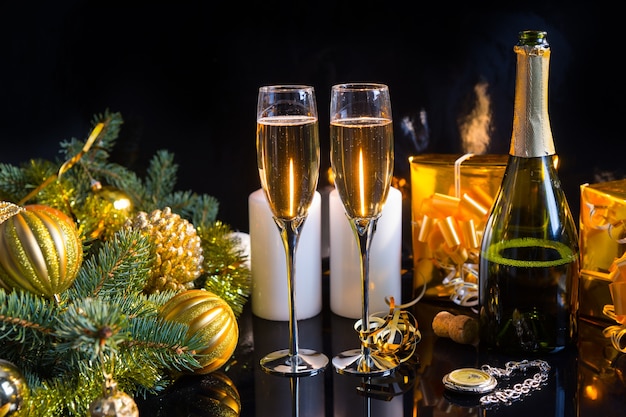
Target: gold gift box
[(602, 224), (602, 229), (451, 196)]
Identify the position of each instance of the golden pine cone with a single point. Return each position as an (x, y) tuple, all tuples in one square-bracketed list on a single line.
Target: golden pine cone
[(178, 252)]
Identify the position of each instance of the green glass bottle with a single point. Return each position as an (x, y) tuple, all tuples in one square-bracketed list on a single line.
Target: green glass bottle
[(529, 260)]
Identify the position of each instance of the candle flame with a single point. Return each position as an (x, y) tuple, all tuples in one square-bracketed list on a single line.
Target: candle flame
[(330, 174), (362, 182), (291, 188)]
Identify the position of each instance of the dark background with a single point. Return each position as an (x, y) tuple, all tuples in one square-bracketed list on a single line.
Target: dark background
[(185, 76)]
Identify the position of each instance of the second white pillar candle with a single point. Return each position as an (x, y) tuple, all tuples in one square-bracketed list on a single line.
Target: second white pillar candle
[(385, 278)]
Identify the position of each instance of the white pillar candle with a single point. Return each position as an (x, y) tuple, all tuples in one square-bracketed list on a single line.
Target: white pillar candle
[(385, 265), (269, 295), (325, 193)]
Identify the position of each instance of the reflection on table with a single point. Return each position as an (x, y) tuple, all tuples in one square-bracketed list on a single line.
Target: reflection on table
[(587, 382)]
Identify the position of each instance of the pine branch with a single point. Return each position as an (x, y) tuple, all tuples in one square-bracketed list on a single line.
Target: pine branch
[(90, 329), (139, 349), (66, 396), (160, 179), (26, 324), (121, 178), (119, 267), (99, 152), (105, 321), (204, 211), (12, 182), (200, 210), (226, 273), (159, 343), (17, 182), (113, 122)]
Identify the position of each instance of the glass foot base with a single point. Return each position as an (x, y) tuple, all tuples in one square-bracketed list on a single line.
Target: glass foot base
[(355, 362), (307, 363)]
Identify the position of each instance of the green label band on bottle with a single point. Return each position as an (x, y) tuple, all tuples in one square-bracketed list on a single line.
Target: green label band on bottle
[(496, 253)]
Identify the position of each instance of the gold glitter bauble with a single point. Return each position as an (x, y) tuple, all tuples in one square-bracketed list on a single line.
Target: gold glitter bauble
[(112, 208), (40, 251), (178, 251), (120, 201), (210, 317), (13, 390)]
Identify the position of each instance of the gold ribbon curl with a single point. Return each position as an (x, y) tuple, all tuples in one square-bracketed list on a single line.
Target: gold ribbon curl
[(67, 164), (600, 218), (394, 334), (451, 226)]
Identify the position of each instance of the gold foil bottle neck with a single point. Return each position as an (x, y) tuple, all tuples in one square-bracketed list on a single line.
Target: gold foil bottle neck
[(532, 134)]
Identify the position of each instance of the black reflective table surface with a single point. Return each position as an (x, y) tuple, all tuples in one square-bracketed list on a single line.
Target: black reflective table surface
[(589, 381)]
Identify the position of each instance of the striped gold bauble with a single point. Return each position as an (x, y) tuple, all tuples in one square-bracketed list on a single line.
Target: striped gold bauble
[(210, 317), (40, 249)]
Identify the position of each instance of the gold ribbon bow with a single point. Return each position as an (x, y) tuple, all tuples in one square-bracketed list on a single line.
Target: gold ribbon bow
[(394, 334)]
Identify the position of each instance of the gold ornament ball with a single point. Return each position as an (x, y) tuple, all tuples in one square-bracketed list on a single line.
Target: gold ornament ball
[(13, 390), (114, 404), (212, 318), (120, 201), (108, 209), (40, 251)]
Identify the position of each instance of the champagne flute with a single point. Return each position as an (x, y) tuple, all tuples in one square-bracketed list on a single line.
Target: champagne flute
[(361, 143), (288, 158)]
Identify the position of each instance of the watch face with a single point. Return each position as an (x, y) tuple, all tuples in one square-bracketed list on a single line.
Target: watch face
[(469, 380)]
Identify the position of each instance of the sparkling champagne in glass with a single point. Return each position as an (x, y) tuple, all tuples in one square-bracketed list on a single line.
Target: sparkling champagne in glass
[(288, 158), (361, 142)]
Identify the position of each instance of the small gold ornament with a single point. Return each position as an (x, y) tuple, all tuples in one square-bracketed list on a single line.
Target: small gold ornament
[(115, 403), (112, 208), (40, 251), (120, 201), (211, 317), (13, 390), (178, 251)]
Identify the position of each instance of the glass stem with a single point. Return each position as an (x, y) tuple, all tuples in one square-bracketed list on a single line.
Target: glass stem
[(290, 235), (364, 230), (294, 384)]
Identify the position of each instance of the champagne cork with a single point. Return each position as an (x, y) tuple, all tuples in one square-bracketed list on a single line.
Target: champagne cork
[(460, 328)]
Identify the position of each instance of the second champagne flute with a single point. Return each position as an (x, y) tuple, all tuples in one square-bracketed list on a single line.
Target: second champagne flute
[(288, 158), (361, 143)]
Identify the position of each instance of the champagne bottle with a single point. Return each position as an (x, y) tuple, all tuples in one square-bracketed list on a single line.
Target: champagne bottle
[(528, 271)]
